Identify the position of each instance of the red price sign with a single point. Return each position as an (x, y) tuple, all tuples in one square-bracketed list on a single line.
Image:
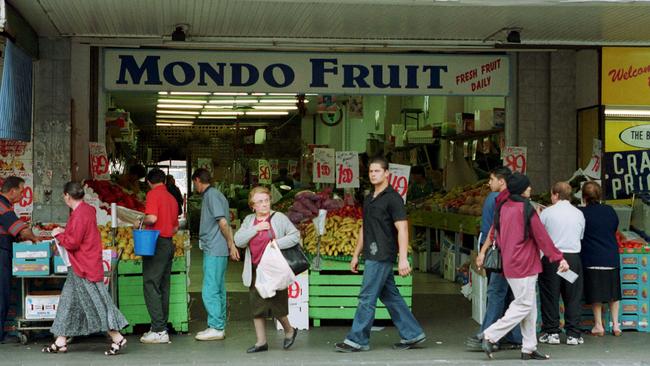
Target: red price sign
[(264, 172), (28, 197), (399, 178), (323, 170), (99, 164), (324, 162), (345, 175), (515, 158), (347, 169), (294, 290)]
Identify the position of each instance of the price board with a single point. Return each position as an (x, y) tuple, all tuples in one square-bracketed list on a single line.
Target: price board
[(347, 169), (515, 158), (324, 166), (398, 178), (98, 161), (264, 172)]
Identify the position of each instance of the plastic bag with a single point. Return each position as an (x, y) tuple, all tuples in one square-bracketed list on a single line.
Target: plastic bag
[(273, 273)]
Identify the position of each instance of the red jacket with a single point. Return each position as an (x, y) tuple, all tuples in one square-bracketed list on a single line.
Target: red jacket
[(521, 258), (83, 242)]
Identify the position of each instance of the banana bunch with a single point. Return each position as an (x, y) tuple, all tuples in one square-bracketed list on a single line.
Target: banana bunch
[(124, 241), (340, 237)]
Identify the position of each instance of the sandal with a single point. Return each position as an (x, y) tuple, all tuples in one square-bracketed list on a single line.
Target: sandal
[(55, 348), (116, 347)]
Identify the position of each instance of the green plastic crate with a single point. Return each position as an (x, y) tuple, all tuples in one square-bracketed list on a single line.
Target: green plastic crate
[(135, 267)]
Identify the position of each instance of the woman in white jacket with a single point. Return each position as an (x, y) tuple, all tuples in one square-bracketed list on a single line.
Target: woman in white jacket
[(255, 233)]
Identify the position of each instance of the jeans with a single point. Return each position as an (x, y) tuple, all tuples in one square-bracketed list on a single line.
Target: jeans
[(156, 276), (214, 290), (379, 282), (497, 303)]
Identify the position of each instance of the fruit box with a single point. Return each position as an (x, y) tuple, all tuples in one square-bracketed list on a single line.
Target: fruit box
[(41, 306), (31, 267), (59, 265), (28, 250), (634, 260), (634, 291)]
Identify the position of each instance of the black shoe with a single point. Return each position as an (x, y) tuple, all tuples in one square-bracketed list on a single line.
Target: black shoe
[(288, 342), (345, 348), (534, 356), (404, 346), (488, 347), (255, 349), (507, 346)]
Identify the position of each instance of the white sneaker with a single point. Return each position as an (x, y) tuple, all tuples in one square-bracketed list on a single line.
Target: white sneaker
[(574, 341), (550, 338), (210, 334), (155, 337)]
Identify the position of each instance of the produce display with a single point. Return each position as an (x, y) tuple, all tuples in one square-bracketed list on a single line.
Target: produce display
[(307, 203), (631, 243), (109, 192), (124, 241), (466, 200), (340, 237)]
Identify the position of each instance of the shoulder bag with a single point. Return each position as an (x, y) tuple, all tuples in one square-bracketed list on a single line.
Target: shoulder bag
[(295, 256), (492, 260)]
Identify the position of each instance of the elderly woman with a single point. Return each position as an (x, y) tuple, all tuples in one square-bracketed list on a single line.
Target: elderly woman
[(255, 233), (600, 258), (85, 306)]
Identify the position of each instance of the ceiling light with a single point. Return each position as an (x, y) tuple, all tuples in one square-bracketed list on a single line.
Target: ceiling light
[(188, 106), (220, 106), (258, 94), (186, 101), (270, 113), (174, 121), (164, 124), (217, 117), (177, 112), (611, 112), (217, 113), (289, 101), (217, 93), (280, 107), (233, 101), (283, 94), (162, 93), (310, 94), (190, 93), (175, 116)]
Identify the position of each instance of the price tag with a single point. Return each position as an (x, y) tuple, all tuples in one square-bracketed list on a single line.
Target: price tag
[(399, 178), (515, 158), (347, 169), (264, 172), (98, 161), (275, 166), (594, 168), (25, 206), (324, 165), (292, 167)]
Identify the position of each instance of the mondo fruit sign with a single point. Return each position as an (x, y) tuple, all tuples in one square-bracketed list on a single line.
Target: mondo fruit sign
[(399, 178)]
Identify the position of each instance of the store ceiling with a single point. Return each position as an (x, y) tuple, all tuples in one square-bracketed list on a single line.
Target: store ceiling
[(335, 24)]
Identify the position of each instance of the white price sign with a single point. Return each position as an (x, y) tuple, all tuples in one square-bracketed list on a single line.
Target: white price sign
[(323, 167), (98, 161), (264, 172), (25, 206), (347, 169), (515, 158), (399, 178), (275, 166), (594, 168)]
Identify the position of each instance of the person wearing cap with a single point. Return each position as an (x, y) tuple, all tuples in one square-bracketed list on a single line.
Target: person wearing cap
[(565, 224), (520, 236)]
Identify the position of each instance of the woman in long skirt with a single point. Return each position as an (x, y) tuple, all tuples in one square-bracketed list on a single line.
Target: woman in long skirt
[(85, 306)]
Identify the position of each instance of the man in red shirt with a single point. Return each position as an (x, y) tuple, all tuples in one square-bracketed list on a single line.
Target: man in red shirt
[(161, 213)]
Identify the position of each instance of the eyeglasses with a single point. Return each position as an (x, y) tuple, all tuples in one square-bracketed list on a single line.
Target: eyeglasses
[(259, 202)]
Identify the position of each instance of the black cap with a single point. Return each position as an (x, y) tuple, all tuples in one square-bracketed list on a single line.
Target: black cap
[(518, 183)]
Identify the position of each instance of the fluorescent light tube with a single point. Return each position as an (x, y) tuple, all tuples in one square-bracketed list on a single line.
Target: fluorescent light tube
[(216, 93), (280, 107), (190, 93), (222, 113), (176, 116), (269, 113), (185, 101), (177, 112), (188, 106)]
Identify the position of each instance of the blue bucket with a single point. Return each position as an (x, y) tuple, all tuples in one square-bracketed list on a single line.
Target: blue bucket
[(145, 242)]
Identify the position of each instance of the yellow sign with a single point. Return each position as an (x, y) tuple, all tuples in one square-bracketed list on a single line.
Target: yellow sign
[(625, 74), (626, 135)]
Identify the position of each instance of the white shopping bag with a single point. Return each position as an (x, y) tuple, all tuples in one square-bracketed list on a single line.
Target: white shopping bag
[(273, 273)]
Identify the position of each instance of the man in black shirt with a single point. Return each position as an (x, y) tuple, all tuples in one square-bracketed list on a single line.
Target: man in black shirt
[(383, 237)]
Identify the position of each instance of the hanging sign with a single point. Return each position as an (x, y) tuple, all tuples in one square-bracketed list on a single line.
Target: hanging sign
[(595, 164), (399, 178), (625, 72), (275, 166), (515, 158), (347, 169), (324, 165), (264, 171), (322, 73), (98, 161)]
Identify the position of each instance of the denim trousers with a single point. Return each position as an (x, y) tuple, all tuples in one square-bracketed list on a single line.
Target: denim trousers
[(214, 290), (497, 303), (379, 283)]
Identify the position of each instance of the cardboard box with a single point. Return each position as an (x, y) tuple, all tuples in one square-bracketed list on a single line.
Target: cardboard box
[(58, 265), (484, 120), (298, 303), (31, 267), (449, 271), (479, 295), (41, 306), (29, 250)]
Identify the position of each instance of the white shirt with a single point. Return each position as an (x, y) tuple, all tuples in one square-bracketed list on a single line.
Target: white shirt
[(565, 225)]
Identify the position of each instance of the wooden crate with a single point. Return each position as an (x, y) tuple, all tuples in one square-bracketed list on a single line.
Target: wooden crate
[(334, 291), (131, 295)]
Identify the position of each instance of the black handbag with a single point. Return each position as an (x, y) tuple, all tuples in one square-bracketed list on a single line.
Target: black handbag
[(492, 260), (295, 256)]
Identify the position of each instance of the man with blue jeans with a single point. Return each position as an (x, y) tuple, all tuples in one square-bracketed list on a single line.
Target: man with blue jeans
[(216, 241), (384, 230), (498, 292)]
